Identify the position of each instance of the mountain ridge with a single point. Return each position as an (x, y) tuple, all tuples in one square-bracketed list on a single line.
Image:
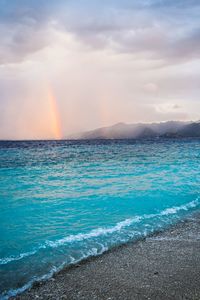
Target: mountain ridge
[(169, 129)]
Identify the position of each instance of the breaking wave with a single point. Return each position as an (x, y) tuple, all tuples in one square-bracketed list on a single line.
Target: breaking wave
[(101, 231)]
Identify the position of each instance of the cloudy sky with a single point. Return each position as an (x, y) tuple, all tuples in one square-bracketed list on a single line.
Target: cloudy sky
[(73, 65)]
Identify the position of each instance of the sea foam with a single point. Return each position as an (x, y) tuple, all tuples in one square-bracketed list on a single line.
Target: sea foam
[(102, 231)]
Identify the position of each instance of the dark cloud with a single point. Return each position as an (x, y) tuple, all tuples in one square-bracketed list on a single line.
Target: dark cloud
[(23, 28), (158, 29)]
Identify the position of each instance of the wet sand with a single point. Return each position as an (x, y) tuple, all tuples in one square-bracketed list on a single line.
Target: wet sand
[(165, 265)]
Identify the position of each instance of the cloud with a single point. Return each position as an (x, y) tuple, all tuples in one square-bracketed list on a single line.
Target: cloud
[(151, 87), (160, 30), (176, 106), (106, 61), (167, 108), (18, 43), (24, 29)]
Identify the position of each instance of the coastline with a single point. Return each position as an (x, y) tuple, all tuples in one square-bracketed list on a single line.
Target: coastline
[(164, 265)]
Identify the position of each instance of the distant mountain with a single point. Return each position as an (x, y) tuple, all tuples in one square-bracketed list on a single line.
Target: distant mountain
[(191, 130), (171, 129)]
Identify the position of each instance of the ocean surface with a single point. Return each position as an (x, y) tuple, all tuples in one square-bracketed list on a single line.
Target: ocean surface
[(63, 201)]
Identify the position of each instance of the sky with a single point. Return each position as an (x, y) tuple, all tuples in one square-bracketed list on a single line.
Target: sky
[(68, 66)]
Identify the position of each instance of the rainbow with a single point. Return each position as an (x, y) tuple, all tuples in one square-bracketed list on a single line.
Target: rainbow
[(54, 115)]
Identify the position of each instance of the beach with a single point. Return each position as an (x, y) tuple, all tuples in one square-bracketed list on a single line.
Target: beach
[(164, 265)]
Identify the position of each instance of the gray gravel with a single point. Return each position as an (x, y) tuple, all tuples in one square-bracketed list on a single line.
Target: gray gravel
[(165, 265)]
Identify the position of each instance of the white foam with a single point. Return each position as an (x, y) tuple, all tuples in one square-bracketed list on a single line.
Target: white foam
[(6, 260), (102, 231), (174, 210), (15, 292), (91, 252), (94, 233)]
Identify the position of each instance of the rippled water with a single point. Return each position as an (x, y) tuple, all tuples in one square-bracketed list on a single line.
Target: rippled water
[(63, 201)]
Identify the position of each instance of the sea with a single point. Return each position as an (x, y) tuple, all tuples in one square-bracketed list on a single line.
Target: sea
[(64, 201)]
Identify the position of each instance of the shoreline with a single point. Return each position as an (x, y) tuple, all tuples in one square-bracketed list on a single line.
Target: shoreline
[(163, 265)]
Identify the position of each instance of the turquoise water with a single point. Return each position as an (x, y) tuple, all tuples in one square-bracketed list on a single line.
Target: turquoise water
[(63, 201)]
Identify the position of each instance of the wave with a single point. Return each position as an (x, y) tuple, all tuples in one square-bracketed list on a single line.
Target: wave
[(104, 231), (6, 260), (94, 233), (89, 253), (101, 231), (174, 210)]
